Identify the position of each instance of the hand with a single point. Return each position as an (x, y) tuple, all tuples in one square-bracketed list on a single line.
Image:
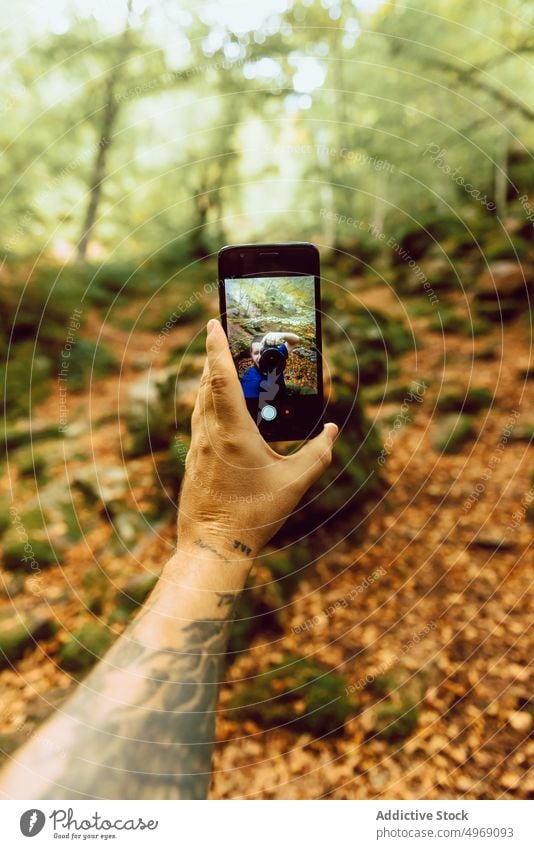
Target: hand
[(237, 489), (271, 340)]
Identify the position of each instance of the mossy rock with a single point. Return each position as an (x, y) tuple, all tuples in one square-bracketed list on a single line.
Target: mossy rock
[(87, 363), (452, 432), (155, 321), (33, 465), (471, 400), (28, 431), (85, 647), (40, 550), (396, 719), (254, 616), (523, 432), (296, 693), (24, 378), (21, 631), (5, 518), (514, 248), (135, 592), (171, 469), (448, 321), (395, 391)]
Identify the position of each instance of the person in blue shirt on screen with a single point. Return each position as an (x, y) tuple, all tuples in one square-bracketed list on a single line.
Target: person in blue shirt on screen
[(253, 378)]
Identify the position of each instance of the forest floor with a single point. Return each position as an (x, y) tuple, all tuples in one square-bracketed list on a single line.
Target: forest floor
[(447, 623)]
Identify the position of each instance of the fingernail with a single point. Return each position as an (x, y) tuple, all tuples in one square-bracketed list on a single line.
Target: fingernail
[(333, 430), (212, 323)]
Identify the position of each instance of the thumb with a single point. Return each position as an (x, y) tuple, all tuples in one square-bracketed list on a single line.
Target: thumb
[(315, 457)]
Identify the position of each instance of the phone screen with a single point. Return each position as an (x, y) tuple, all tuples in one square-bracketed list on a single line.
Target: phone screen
[(272, 335), (270, 308)]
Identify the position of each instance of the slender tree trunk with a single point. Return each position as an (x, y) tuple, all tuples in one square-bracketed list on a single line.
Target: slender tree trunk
[(99, 172), (501, 179), (100, 165)]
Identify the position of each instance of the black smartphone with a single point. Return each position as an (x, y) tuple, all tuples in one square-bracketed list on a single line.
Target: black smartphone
[(270, 302)]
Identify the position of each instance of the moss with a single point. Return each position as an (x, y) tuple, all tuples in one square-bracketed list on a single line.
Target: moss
[(85, 647), (19, 633), (41, 550), (136, 591), (33, 466), (470, 400), (88, 362), (296, 693), (452, 432), (397, 719)]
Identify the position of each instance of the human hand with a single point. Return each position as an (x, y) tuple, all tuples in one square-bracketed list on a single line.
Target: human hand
[(237, 491), (271, 340)]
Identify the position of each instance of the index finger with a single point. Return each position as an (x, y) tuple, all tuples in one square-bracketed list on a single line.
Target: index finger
[(227, 393)]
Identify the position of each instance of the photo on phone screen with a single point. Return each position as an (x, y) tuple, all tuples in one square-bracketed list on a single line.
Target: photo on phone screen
[(271, 321)]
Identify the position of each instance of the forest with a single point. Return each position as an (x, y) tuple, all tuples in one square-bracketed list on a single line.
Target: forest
[(383, 646)]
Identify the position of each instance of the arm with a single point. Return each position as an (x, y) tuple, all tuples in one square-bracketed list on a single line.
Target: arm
[(142, 724)]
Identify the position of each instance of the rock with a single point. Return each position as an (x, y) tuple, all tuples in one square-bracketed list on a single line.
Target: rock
[(85, 647), (502, 290), (32, 465), (525, 370), (30, 430), (451, 433), (146, 415), (466, 400), (492, 542), (18, 631), (136, 590), (503, 280), (106, 487), (129, 526), (522, 433)]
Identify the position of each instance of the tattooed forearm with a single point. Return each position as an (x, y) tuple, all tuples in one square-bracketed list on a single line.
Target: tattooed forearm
[(142, 725), (158, 744)]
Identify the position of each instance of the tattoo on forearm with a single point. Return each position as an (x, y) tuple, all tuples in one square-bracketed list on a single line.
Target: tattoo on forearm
[(228, 600), (160, 745)]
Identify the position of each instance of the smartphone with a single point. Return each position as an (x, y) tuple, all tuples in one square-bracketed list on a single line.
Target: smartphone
[(270, 303)]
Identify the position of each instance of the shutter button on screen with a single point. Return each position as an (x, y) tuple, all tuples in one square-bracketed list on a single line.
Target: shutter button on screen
[(269, 413)]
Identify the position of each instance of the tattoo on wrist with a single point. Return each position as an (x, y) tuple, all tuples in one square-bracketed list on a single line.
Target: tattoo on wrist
[(242, 547), (238, 546), (208, 547)]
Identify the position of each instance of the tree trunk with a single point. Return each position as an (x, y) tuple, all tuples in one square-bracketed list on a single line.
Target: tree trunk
[(99, 172), (100, 165)]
